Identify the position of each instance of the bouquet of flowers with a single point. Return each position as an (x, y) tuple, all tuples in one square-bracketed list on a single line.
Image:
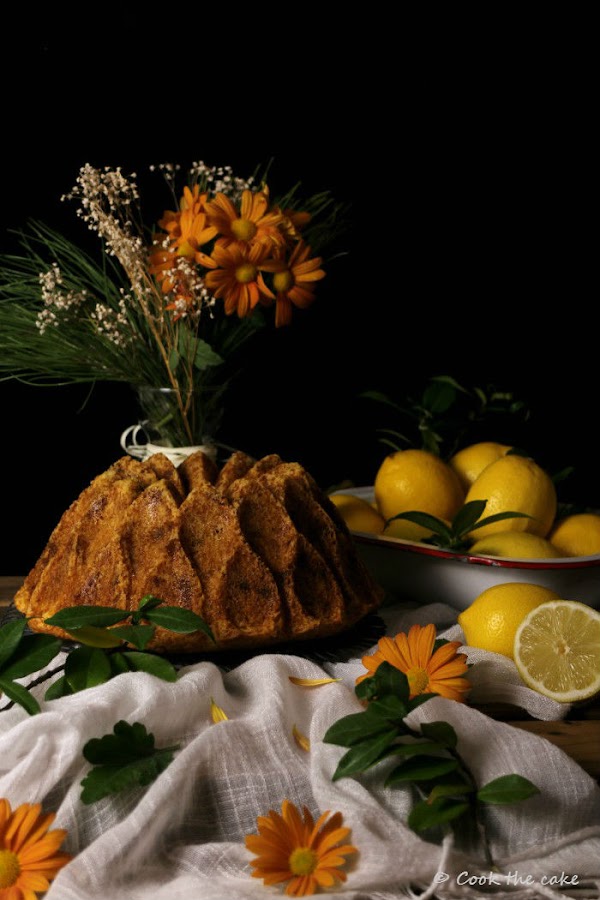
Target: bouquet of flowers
[(166, 308)]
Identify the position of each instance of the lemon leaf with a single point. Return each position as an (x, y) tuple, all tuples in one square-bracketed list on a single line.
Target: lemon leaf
[(467, 516), (424, 768), (33, 653), (18, 694), (426, 520), (10, 637), (86, 667), (441, 732), (354, 729), (427, 815), (507, 789), (498, 517), (379, 397), (93, 636), (78, 616), (365, 754), (439, 396)]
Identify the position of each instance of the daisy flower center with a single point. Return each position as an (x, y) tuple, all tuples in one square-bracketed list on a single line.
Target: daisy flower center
[(418, 679), (303, 861), (243, 229), (282, 281), (185, 249), (245, 273), (9, 868)]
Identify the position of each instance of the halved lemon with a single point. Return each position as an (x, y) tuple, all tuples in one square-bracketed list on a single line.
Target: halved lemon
[(557, 650)]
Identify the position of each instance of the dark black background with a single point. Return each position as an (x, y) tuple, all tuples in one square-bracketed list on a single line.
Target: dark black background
[(468, 167)]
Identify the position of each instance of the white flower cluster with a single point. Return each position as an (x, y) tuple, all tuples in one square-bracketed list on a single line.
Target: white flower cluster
[(112, 324), (190, 296), (221, 179), (58, 302), (215, 179), (106, 197)]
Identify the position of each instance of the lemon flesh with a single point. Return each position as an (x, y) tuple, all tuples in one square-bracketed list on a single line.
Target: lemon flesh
[(516, 545), (557, 650), (515, 484), (577, 535), (358, 514), (492, 619), (470, 462)]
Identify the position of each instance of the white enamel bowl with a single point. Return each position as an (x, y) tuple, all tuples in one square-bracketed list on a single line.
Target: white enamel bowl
[(427, 574)]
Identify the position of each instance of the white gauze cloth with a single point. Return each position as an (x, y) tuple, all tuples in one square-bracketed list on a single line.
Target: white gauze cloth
[(182, 837)]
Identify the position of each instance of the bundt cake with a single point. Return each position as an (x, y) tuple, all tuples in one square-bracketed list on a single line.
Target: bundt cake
[(256, 549)]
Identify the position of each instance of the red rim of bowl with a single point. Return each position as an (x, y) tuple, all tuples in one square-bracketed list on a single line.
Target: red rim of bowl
[(407, 546)]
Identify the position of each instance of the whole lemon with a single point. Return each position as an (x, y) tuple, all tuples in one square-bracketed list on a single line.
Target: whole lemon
[(358, 514), (492, 619), (470, 462), (516, 544), (516, 484), (577, 535), (416, 480)]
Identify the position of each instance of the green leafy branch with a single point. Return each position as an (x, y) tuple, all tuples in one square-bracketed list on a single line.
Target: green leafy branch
[(441, 416), (428, 759), (104, 635), (455, 536)]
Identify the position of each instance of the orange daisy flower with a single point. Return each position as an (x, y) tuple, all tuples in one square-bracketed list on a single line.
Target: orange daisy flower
[(440, 673), (252, 223), (292, 281), (293, 222), (29, 860), (187, 230), (234, 275), (294, 848)]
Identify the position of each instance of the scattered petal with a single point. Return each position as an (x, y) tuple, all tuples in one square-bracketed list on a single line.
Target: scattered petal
[(301, 739), (312, 682), (217, 714)]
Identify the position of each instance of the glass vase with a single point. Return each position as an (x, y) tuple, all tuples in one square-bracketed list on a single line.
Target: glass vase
[(174, 423)]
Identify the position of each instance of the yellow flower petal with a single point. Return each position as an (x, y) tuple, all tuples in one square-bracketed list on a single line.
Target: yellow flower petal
[(217, 714), (302, 741), (312, 682)]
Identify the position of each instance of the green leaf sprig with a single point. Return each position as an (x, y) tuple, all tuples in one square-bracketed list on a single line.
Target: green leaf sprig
[(121, 760), (442, 415), (104, 635), (428, 759), (455, 536)]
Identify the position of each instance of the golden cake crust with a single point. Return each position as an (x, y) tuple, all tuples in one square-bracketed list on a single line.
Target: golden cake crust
[(256, 549)]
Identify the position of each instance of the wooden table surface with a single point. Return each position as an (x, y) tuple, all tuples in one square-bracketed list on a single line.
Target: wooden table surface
[(578, 735)]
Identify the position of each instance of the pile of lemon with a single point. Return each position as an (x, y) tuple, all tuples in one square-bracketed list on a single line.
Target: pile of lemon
[(416, 480), (555, 643)]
